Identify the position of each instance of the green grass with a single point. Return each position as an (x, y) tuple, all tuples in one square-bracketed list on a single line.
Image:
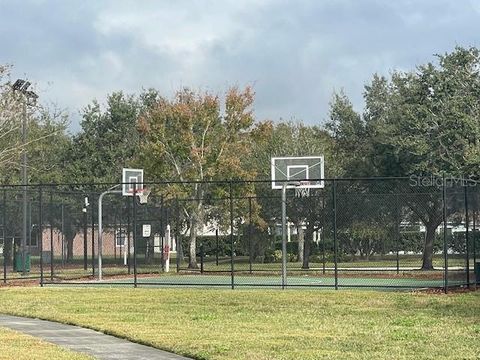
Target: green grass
[(268, 324), (15, 345)]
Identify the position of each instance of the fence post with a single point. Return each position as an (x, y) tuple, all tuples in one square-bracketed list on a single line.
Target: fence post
[(323, 253), (250, 242), (93, 234), (178, 241), (202, 254), (85, 237), (231, 237), (40, 231), (134, 202), (445, 245), (216, 251), (63, 235), (163, 223), (335, 245), (284, 235), (467, 242), (120, 233), (115, 232), (4, 235), (474, 247), (51, 235), (397, 232)]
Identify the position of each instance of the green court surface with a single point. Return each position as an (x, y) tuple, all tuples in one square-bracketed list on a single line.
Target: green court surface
[(267, 281)]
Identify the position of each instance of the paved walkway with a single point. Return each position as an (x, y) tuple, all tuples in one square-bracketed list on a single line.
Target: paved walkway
[(87, 341)]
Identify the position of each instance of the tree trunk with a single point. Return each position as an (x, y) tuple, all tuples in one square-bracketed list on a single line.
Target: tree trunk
[(368, 250), (69, 247), (306, 247), (8, 250), (301, 241), (149, 251), (179, 246), (192, 263), (427, 263)]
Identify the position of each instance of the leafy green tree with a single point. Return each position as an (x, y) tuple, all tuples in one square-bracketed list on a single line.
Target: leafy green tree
[(427, 123), (351, 140), (107, 141)]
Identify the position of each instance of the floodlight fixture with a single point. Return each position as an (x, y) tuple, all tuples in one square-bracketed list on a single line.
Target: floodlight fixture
[(31, 95), (31, 98), (25, 86), (18, 84)]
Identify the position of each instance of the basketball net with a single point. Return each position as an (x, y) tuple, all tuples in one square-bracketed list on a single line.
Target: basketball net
[(142, 195), (302, 191)]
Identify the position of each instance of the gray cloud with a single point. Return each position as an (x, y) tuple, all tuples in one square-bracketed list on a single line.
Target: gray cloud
[(295, 53)]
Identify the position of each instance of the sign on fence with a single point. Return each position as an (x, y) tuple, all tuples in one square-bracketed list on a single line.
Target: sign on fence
[(146, 230)]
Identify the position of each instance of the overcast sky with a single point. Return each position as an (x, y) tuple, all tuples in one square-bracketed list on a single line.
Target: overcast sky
[(294, 53)]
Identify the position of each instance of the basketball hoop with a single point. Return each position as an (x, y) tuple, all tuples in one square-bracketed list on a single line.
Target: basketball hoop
[(143, 195), (302, 190)]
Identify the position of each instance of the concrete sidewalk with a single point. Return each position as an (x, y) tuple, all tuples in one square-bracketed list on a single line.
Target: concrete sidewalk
[(87, 341)]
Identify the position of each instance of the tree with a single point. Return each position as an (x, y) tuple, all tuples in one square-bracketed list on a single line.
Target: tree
[(351, 145), (189, 138), (423, 122), (293, 139), (46, 135), (11, 117), (45, 141), (107, 142), (427, 123)]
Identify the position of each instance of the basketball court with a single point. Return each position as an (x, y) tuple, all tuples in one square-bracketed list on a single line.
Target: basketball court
[(249, 281)]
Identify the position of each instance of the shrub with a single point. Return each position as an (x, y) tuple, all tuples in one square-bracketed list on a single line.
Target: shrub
[(273, 256)]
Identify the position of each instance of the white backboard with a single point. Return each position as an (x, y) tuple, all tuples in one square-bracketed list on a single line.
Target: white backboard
[(298, 169), (130, 179)]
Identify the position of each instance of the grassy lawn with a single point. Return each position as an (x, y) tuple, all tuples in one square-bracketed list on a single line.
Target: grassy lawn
[(268, 324), (14, 345)]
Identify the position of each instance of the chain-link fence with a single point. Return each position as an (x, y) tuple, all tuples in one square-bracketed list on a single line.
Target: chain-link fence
[(397, 233)]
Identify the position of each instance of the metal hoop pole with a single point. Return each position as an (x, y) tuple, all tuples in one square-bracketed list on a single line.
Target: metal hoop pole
[(134, 236), (284, 235)]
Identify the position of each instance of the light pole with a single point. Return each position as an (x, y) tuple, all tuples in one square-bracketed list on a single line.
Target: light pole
[(29, 98), (100, 227)]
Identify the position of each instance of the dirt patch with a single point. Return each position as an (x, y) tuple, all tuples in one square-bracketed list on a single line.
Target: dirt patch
[(451, 290)]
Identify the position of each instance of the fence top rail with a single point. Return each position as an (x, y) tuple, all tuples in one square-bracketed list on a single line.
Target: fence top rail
[(89, 186), (222, 181)]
